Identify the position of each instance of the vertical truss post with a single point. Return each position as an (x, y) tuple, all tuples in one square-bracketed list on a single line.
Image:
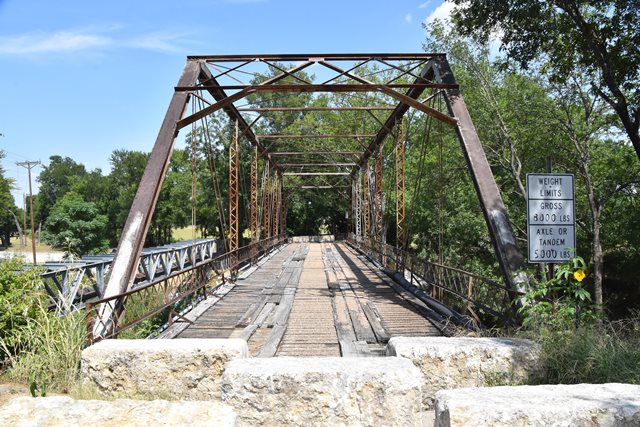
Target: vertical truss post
[(378, 196), (366, 209), (357, 205), (276, 204), (400, 206), (283, 227), (254, 205), (233, 203), (265, 202), (350, 209)]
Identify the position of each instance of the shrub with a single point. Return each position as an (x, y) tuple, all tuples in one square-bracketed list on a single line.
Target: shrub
[(50, 349), (20, 295), (37, 346)]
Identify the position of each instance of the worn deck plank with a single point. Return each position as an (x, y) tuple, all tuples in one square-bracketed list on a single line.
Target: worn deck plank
[(313, 299)]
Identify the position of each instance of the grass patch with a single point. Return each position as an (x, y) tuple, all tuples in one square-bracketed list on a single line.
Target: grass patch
[(185, 233), (40, 247), (47, 351), (600, 353)]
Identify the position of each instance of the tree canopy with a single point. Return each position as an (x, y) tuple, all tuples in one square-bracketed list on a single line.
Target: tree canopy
[(599, 36)]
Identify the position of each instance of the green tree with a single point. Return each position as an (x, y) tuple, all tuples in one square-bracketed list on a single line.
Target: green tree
[(127, 168), (55, 181), (76, 226), (8, 223), (600, 36)]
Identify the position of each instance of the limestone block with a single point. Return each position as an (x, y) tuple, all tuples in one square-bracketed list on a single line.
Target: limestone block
[(169, 369), (65, 411), (448, 363), (335, 391), (592, 405)]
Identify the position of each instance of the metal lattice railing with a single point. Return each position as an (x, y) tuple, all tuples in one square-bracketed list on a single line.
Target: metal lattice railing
[(164, 297), (71, 283), (482, 299)]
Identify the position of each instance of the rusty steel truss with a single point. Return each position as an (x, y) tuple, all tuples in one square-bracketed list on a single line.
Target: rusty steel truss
[(251, 90)]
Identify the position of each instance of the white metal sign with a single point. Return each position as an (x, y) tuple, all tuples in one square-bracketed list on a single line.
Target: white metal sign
[(551, 223)]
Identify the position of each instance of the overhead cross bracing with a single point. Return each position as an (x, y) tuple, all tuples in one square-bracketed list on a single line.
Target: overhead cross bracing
[(291, 109)]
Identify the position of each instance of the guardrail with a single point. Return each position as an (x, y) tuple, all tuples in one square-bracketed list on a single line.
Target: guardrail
[(482, 299), (71, 283), (167, 295)]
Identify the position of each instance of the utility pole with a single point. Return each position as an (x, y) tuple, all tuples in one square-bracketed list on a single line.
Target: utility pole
[(24, 219), (30, 165)]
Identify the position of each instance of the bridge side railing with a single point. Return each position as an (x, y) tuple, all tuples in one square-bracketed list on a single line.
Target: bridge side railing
[(168, 295), (70, 283), (484, 300)]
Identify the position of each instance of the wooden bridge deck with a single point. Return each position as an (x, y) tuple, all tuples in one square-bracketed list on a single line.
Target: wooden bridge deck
[(314, 299)]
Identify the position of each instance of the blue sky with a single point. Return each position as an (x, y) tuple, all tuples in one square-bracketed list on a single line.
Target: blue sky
[(82, 78)]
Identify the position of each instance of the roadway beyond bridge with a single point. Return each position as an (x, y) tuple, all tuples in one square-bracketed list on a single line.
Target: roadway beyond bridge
[(313, 299)]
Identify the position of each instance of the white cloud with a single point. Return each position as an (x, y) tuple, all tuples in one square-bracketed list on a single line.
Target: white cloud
[(61, 41), (159, 41), (65, 41), (442, 12), (408, 18), (424, 5)]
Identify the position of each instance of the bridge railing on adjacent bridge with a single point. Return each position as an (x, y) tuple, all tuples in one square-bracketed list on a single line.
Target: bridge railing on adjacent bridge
[(481, 298), (168, 295), (71, 283)]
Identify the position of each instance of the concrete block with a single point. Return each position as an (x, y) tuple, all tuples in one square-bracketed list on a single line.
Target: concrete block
[(170, 369), (447, 363), (332, 391), (593, 405), (65, 411)]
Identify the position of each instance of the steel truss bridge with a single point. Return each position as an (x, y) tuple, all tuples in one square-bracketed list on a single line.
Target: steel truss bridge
[(252, 91), (69, 284)]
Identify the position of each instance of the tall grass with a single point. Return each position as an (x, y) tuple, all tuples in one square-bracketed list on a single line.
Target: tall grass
[(599, 353), (47, 351)]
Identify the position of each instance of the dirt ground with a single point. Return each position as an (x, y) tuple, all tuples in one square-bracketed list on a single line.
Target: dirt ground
[(10, 390)]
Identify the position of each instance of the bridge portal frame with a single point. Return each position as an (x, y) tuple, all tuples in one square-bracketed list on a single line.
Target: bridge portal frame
[(431, 72)]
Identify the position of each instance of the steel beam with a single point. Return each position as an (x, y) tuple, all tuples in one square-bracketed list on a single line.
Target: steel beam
[(254, 204), (400, 188), (135, 229), (316, 173), (320, 87), (366, 210), (322, 187), (378, 197), (400, 110), (266, 203), (288, 109), (318, 153), (357, 203), (312, 136), (295, 165), (495, 213), (234, 164), (277, 204), (221, 97), (296, 57)]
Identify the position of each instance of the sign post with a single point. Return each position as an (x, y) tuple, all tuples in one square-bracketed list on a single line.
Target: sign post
[(551, 224)]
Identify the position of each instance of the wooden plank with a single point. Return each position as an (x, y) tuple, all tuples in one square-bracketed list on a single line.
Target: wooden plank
[(273, 341), (253, 312), (377, 324), (281, 314), (344, 327)]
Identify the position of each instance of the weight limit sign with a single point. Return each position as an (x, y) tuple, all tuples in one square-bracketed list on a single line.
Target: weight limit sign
[(551, 222)]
